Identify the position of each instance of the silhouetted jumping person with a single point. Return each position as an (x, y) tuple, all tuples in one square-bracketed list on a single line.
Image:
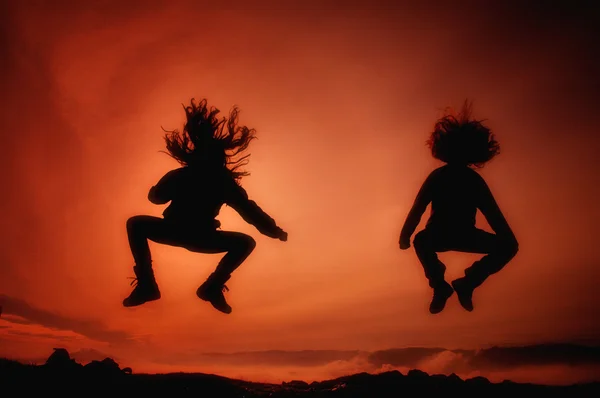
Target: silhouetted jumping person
[(455, 192), (208, 151)]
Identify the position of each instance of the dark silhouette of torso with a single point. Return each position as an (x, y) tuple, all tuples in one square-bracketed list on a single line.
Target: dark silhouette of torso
[(454, 194), (197, 195)]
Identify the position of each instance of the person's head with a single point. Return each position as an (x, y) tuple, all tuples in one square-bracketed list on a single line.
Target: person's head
[(458, 139), (209, 141)]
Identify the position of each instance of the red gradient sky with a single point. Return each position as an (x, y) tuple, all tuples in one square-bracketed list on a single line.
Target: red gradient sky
[(342, 97)]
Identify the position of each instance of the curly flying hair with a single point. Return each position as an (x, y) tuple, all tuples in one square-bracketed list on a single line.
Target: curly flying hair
[(205, 136), (459, 139)]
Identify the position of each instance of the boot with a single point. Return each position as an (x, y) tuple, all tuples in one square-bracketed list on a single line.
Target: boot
[(212, 291), (145, 287), (464, 291), (441, 294), (465, 286)]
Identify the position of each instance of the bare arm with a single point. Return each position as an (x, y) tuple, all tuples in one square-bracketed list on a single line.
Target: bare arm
[(162, 192), (423, 199), (253, 214)]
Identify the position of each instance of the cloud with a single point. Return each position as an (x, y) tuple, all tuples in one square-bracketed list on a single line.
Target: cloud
[(42, 335), (275, 357), (491, 358), (543, 363), (543, 354), (444, 360), (86, 355), (402, 356), (28, 314), (15, 318), (546, 364)]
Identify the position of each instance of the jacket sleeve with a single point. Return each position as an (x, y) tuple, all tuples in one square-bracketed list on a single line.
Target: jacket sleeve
[(162, 192), (238, 199)]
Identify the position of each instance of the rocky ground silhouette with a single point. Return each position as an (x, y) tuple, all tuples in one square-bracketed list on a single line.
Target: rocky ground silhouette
[(64, 376)]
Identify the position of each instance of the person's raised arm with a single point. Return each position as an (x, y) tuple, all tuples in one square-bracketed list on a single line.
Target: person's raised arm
[(253, 214), (413, 218), (162, 192)]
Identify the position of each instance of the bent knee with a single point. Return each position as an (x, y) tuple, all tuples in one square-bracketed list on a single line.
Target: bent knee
[(513, 249), (139, 222), (132, 223), (250, 243), (245, 243), (510, 248)]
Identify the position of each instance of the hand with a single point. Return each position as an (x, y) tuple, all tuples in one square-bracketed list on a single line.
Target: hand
[(280, 234), (283, 236), (404, 243)]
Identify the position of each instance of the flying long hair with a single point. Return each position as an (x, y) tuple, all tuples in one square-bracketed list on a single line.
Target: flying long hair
[(459, 139), (208, 138)]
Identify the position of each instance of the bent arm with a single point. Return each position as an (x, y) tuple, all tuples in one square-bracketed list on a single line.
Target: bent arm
[(413, 218), (252, 213), (492, 213), (162, 192)]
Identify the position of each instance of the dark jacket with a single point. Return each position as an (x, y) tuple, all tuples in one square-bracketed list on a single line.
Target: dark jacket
[(455, 194), (197, 195)]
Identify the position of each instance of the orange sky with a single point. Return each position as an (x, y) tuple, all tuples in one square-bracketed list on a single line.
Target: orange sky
[(342, 99)]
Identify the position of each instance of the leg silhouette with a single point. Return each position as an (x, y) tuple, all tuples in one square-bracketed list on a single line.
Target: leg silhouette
[(427, 244), (498, 252), (238, 247), (140, 229)]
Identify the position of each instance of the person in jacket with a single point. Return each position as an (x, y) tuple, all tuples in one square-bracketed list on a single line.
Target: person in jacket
[(210, 152), (456, 191)]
